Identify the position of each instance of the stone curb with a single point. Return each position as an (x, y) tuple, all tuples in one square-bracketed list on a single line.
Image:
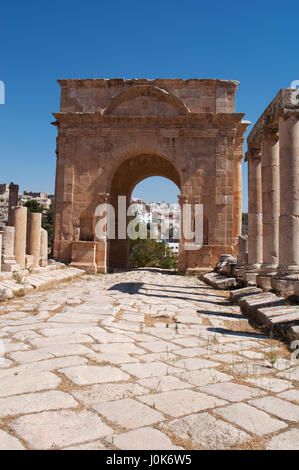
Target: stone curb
[(265, 309), (38, 281)]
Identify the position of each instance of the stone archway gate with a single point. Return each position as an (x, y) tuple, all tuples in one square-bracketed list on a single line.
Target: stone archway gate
[(186, 130)]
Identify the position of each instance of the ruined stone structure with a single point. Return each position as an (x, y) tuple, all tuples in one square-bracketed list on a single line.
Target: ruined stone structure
[(273, 187), (114, 133), (13, 200), (23, 244)]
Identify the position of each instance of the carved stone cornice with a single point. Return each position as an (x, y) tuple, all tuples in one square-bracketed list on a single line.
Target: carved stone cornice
[(285, 104), (160, 82), (217, 119)]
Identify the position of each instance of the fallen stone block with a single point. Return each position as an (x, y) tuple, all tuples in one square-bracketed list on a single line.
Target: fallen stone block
[(250, 304), (5, 293), (293, 333), (218, 281), (225, 265), (238, 294)]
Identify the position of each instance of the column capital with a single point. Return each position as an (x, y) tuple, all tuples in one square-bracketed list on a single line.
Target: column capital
[(182, 199), (103, 197), (253, 154), (271, 135), (239, 157)]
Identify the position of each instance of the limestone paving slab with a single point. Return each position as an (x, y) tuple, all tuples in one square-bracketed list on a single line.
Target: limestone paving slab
[(87, 375), (128, 413), (25, 383), (164, 383), (47, 365), (180, 402), (231, 391), (203, 377), (151, 369), (99, 393), (284, 410), (146, 438), (251, 419), (9, 442), (290, 395), (194, 363), (206, 432), (35, 402), (60, 428), (288, 440)]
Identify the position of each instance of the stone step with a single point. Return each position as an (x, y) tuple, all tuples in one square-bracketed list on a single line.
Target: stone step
[(251, 303), (10, 288), (238, 294), (218, 281)]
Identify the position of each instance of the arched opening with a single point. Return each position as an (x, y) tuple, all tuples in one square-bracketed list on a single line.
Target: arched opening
[(131, 172)]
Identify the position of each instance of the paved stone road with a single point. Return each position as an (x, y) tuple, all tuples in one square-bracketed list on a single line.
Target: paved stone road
[(141, 360)]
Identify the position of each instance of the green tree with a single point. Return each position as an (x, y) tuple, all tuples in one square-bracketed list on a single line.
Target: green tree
[(48, 223), (151, 253), (34, 206)]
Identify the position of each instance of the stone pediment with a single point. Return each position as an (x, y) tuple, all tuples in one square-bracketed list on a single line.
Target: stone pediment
[(146, 100)]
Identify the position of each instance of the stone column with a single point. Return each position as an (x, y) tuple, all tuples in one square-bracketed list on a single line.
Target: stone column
[(8, 257), (34, 236), (289, 196), (242, 259), (237, 197), (255, 226), (182, 263), (12, 201), (270, 205), (103, 244), (43, 247), (20, 225)]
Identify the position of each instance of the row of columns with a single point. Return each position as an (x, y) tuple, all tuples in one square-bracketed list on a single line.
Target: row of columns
[(24, 236), (273, 204)]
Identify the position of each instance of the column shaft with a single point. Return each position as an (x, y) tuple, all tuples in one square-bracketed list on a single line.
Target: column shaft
[(255, 228), (270, 201), (20, 225), (289, 196), (34, 236), (237, 198)]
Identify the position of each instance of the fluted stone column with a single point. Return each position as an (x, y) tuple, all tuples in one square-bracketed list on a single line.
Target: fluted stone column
[(34, 236), (20, 225), (255, 226), (270, 205), (43, 247), (289, 196), (237, 197)]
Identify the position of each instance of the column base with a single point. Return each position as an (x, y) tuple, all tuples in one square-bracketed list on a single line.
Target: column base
[(287, 285), (250, 273), (264, 280), (9, 265), (288, 272), (238, 271)]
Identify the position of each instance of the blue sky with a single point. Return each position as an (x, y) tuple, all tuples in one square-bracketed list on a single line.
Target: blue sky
[(255, 43)]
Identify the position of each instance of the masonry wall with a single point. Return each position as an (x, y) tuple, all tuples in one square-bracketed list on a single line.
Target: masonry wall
[(151, 136)]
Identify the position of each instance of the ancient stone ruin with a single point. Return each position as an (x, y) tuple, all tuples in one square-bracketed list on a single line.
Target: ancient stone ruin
[(273, 198), (23, 242), (114, 133)]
